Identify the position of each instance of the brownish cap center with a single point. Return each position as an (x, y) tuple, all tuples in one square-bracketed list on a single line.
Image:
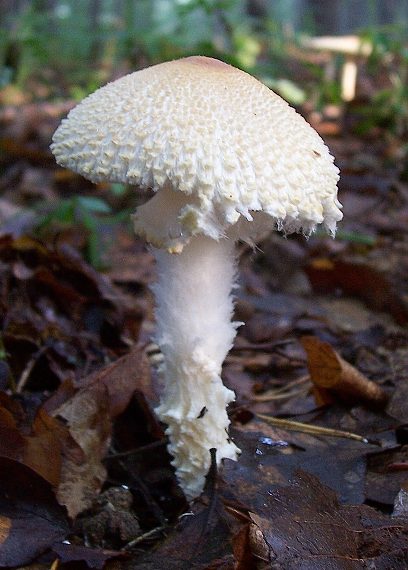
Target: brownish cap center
[(208, 62)]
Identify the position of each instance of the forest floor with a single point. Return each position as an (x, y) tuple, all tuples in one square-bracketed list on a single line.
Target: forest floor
[(85, 479)]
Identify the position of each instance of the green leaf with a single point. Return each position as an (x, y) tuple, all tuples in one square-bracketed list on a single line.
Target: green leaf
[(118, 189), (92, 204), (353, 237)]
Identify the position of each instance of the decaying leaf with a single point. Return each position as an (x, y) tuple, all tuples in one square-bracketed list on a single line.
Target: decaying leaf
[(58, 313), (387, 473), (92, 557), (31, 520), (122, 378), (206, 538), (306, 528), (38, 444), (356, 277), (89, 422), (89, 410), (271, 456), (61, 321)]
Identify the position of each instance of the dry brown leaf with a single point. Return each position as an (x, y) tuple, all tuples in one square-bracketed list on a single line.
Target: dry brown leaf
[(89, 413), (38, 446), (330, 373), (43, 449), (122, 378), (88, 419)]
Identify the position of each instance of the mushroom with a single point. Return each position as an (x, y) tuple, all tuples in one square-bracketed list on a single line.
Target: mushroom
[(227, 159), (353, 48)]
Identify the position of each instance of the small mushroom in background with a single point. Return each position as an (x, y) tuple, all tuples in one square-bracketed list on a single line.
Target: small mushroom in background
[(228, 159), (353, 48)]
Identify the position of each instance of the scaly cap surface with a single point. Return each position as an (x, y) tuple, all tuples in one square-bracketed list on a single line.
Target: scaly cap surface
[(220, 139)]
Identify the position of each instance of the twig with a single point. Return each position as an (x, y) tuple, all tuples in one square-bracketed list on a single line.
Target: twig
[(398, 466), (272, 346), (269, 397), (22, 381), (314, 430), (283, 392), (142, 449), (143, 537)]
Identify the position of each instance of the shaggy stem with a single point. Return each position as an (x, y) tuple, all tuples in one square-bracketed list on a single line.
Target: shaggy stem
[(194, 306)]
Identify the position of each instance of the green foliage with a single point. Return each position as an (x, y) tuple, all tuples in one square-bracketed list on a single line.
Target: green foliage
[(22, 37), (388, 42), (3, 352), (389, 105), (80, 49), (351, 237), (88, 212), (388, 109), (74, 46), (324, 90), (63, 44)]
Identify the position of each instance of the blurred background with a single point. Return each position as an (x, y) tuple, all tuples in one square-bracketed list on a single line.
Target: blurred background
[(60, 48), (74, 297), (342, 63)]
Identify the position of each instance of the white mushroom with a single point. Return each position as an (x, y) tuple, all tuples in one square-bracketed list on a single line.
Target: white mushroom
[(352, 47), (227, 159)]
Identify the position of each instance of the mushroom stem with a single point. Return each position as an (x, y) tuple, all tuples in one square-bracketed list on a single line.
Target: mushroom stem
[(194, 306)]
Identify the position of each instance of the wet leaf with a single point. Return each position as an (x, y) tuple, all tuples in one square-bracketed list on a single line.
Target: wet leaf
[(31, 520), (387, 473), (398, 403), (123, 378), (204, 539), (271, 456), (306, 528), (61, 321), (93, 557)]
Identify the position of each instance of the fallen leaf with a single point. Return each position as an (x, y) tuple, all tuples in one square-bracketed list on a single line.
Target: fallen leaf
[(359, 279), (271, 456), (207, 538), (37, 444), (330, 373), (64, 314), (306, 528), (89, 408), (93, 557), (31, 520), (123, 378), (386, 475), (88, 420)]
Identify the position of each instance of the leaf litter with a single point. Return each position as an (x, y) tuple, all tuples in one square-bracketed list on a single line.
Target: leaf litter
[(85, 475)]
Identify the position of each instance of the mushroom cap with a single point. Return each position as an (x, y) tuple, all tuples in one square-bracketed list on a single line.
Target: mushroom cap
[(220, 146), (349, 45)]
